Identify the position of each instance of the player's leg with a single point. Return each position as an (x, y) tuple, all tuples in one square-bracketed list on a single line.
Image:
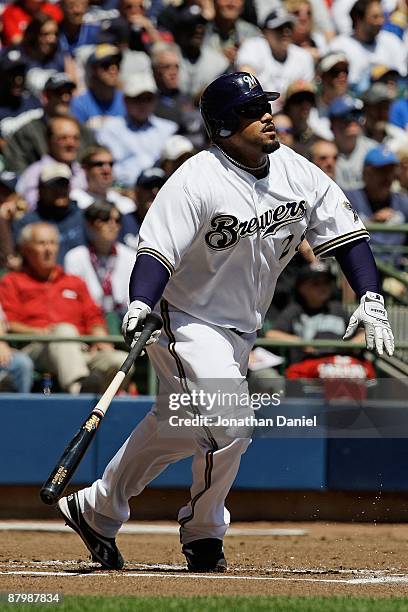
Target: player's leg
[(210, 358)]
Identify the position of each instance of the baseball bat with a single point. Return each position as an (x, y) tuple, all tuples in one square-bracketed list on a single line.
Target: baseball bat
[(62, 473)]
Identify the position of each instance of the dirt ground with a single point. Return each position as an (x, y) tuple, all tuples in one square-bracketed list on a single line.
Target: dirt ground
[(329, 559)]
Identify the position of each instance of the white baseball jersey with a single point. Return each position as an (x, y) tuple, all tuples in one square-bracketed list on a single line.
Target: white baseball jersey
[(226, 236)]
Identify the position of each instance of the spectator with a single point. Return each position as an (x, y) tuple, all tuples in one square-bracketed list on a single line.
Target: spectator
[(63, 138), (345, 122), (15, 365), (103, 98), (28, 144), (199, 64), (97, 162), (133, 28), (75, 33), (299, 100), (171, 103), (388, 76), (103, 263), (175, 152), (377, 101), (273, 58), (42, 52), (314, 314), (377, 203), (18, 14), (147, 187), (17, 106), (227, 31), (26, 297), (332, 74), (137, 139), (55, 206), (8, 209), (401, 184), (304, 34), (324, 154), (284, 128), (369, 44)]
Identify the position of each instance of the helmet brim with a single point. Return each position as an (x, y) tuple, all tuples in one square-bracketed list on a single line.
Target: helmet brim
[(272, 95)]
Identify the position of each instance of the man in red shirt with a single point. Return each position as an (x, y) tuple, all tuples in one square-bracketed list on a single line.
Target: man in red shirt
[(18, 14), (42, 299)]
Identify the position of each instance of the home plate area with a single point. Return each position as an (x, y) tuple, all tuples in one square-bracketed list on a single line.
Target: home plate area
[(264, 558)]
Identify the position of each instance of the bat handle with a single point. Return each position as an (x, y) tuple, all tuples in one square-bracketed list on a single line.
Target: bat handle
[(152, 323)]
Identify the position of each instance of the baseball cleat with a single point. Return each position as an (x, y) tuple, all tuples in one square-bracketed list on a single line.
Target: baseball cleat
[(102, 549), (205, 555)]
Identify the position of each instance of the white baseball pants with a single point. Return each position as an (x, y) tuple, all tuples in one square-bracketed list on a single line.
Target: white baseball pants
[(188, 351)]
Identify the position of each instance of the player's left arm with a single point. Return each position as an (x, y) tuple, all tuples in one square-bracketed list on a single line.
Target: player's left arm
[(335, 230), (358, 264)]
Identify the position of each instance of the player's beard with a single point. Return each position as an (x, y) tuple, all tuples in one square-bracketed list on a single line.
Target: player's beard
[(271, 147)]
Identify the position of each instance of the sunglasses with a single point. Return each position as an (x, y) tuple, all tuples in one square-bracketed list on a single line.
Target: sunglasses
[(335, 72), (351, 118), (254, 110), (100, 164), (284, 130), (107, 65)]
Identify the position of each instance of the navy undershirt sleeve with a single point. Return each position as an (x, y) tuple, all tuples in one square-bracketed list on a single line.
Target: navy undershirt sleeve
[(357, 262), (148, 280)]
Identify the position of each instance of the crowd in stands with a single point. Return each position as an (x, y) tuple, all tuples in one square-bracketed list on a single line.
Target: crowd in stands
[(99, 106)]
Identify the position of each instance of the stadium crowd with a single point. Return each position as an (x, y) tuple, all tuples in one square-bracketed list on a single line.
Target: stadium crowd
[(99, 106)]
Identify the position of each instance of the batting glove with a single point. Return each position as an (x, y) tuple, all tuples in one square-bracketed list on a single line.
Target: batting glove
[(371, 315), (133, 321)]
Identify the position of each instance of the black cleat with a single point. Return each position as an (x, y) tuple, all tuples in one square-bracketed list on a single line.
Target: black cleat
[(205, 555), (103, 550)]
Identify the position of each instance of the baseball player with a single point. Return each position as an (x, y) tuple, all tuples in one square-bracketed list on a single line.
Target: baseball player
[(212, 246)]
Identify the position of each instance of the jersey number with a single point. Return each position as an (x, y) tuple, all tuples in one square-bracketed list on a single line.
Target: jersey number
[(286, 244)]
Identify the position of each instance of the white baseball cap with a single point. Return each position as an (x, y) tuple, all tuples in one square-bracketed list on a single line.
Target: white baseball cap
[(55, 172), (138, 84), (175, 147)]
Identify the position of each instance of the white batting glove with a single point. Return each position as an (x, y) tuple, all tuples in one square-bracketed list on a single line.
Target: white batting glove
[(371, 315), (133, 321)]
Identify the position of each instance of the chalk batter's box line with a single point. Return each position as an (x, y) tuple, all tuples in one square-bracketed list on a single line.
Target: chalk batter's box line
[(344, 581)]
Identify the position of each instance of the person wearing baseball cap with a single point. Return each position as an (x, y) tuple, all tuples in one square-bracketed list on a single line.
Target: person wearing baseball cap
[(376, 202), (273, 58), (102, 98), (29, 143), (177, 149), (14, 98), (345, 115), (377, 103), (147, 186), (55, 206), (299, 100), (136, 140)]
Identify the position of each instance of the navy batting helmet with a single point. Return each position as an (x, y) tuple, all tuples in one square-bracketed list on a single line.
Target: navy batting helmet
[(222, 98)]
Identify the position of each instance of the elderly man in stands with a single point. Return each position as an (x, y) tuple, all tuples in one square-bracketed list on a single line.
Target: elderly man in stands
[(324, 154), (377, 203), (43, 300), (63, 139), (136, 140)]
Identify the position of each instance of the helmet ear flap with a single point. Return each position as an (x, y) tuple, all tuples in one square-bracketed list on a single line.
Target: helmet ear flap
[(220, 128)]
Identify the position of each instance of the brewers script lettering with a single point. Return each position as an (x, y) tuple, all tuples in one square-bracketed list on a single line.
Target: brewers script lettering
[(227, 230)]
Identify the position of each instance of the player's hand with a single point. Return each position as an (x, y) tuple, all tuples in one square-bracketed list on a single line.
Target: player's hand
[(133, 321), (371, 315)]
